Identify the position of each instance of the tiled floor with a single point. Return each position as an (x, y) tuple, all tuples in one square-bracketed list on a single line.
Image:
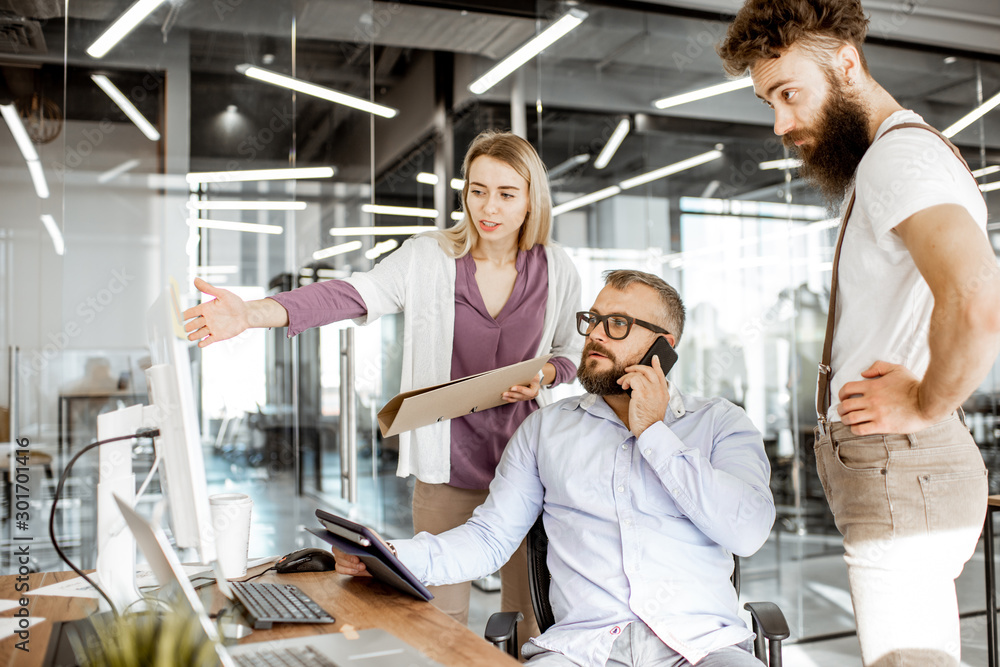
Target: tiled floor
[(805, 575)]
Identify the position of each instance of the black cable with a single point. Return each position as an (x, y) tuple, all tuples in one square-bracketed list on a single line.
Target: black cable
[(142, 433), (259, 574)]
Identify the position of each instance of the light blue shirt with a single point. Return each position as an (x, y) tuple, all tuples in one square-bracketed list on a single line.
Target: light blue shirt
[(639, 528)]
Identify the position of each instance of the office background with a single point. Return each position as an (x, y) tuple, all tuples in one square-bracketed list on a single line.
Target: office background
[(93, 227)]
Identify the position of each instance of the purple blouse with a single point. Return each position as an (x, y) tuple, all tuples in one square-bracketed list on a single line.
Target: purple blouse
[(481, 343)]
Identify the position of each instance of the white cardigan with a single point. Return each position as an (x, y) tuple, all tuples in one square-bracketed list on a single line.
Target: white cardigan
[(419, 278)]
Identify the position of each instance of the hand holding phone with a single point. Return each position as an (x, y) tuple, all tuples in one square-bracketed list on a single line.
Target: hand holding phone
[(660, 348)]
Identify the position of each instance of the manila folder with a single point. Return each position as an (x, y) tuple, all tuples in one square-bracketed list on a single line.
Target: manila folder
[(420, 407)]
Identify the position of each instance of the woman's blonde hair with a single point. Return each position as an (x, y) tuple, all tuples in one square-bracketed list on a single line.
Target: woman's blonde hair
[(520, 156)]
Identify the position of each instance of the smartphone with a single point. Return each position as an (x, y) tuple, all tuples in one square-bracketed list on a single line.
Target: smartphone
[(662, 349)]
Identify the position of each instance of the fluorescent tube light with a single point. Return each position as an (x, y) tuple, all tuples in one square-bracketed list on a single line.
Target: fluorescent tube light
[(339, 249), (990, 187), (122, 26), (380, 231), (529, 50), (381, 248), (38, 178), (104, 83), (457, 215), (457, 184), (236, 226), (586, 199), (247, 205), (670, 169), (787, 163), (54, 232), (617, 137), (9, 112), (27, 148), (115, 172), (399, 210), (986, 171), (566, 165), (259, 175), (315, 90), (711, 91), (971, 117), (428, 178)]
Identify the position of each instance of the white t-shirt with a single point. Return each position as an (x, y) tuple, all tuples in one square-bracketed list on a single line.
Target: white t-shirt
[(883, 303)]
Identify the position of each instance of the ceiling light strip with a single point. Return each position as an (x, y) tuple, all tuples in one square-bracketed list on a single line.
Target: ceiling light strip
[(115, 172), (381, 248), (134, 115), (711, 91), (670, 169), (636, 181), (338, 249), (411, 211), (616, 139), (235, 226), (990, 187), (27, 148), (21, 138), (971, 117), (38, 179), (585, 200), (122, 26), (427, 178), (787, 163), (54, 232), (986, 171), (315, 90), (529, 50), (404, 230), (259, 175), (246, 205)]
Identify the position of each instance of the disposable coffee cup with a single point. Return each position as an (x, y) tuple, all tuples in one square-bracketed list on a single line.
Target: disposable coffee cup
[(231, 522)]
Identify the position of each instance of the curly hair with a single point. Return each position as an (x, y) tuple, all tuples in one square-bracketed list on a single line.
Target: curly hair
[(766, 28)]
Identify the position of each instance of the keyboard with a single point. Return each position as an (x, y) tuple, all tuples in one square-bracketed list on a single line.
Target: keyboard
[(266, 604), (299, 656)]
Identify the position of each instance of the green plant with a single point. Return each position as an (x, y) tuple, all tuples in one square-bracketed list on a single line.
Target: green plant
[(167, 638)]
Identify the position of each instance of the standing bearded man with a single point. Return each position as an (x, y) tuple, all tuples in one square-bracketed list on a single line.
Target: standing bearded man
[(913, 325)]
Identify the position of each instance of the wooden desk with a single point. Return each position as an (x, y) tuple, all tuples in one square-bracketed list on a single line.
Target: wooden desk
[(361, 603)]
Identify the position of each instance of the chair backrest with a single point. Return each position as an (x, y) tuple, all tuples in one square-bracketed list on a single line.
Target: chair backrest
[(539, 578)]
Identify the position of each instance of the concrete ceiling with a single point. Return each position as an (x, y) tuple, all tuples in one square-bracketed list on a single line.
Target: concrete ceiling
[(614, 64)]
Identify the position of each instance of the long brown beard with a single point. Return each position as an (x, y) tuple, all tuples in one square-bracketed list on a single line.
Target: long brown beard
[(836, 145)]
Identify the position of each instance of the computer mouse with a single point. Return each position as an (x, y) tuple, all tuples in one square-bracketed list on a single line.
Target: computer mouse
[(306, 560)]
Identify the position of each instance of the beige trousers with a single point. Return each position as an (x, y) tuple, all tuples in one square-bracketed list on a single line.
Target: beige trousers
[(911, 508), (440, 507)]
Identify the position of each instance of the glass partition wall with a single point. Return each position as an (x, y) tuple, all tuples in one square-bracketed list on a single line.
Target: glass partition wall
[(700, 192)]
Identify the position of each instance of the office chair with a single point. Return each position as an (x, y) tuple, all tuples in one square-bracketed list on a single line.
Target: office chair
[(501, 630)]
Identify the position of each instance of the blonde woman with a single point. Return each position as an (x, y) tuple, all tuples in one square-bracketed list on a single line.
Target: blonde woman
[(491, 291)]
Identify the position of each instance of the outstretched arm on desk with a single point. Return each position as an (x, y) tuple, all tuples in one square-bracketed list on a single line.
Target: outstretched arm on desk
[(487, 540)]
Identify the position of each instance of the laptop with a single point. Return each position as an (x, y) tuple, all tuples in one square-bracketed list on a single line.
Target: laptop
[(372, 648)]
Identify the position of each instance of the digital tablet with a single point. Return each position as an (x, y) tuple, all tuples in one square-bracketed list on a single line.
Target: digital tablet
[(357, 540)]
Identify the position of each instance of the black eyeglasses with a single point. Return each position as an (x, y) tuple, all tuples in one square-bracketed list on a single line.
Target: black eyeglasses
[(616, 326)]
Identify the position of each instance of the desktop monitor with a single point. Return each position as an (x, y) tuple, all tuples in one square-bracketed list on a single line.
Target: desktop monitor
[(172, 410), (172, 394)]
